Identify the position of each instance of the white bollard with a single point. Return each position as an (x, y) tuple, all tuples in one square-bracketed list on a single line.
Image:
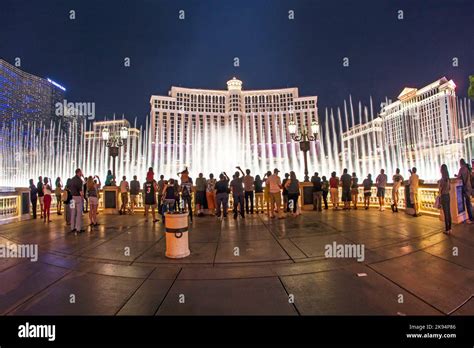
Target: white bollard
[(177, 241)]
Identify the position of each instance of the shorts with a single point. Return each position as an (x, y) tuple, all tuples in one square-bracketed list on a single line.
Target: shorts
[(346, 194), (124, 197), (134, 199), (354, 191), (93, 200), (200, 197), (381, 192), (367, 193)]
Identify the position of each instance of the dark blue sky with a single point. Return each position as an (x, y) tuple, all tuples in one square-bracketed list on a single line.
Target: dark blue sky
[(86, 54)]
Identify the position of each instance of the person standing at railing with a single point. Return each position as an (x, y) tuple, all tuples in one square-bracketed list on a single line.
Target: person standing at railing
[(259, 205), (39, 186), (211, 194), (77, 187), (168, 196), (47, 190), (275, 186), (346, 182), (186, 189), (443, 186), (354, 190), (222, 195), (93, 188), (161, 185), (266, 191), (381, 184), (367, 185), (397, 183), (237, 185), (464, 175), (414, 183), (57, 191), (124, 188), (334, 188), (109, 179), (150, 188), (249, 188), (33, 197), (325, 188), (67, 198), (293, 188), (285, 193), (200, 197), (134, 191), (317, 192)]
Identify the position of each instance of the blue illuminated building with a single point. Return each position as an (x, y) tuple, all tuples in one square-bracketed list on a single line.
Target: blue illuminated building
[(25, 97)]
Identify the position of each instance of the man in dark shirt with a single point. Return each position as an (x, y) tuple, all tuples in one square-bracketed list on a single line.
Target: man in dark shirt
[(285, 193), (346, 181), (237, 186), (317, 192), (222, 194), (134, 191), (39, 187), (161, 185), (33, 197), (77, 202)]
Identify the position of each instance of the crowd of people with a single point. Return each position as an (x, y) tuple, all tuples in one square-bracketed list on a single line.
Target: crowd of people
[(269, 194)]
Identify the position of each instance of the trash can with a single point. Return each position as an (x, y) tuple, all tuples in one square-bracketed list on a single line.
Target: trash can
[(177, 241)]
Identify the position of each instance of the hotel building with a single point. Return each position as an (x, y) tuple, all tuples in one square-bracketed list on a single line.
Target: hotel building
[(422, 127), (215, 130), (26, 97)]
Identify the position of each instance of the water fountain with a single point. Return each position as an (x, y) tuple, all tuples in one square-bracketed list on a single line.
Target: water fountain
[(28, 150)]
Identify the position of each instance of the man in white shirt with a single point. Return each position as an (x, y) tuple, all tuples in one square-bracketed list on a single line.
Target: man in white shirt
[(124, 188), (275, 187)]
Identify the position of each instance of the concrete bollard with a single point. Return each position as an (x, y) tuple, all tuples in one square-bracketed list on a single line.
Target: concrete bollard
[(177, 241)]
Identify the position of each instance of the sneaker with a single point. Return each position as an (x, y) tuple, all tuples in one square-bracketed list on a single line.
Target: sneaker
[(469, 222), (235, 216), (73, 230)]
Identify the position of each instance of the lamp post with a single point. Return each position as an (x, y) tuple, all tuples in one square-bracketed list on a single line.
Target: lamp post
[(304, 138), (113, 142)]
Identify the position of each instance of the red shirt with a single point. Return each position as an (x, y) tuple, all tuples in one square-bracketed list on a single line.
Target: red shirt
[(333, 182)]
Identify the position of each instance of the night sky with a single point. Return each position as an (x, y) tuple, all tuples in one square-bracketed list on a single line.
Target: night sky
[(86, 55)]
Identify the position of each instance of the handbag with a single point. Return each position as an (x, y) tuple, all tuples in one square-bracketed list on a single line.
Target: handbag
[(437, 203)]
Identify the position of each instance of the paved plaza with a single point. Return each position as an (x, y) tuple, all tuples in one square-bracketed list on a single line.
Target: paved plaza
[(255, 266)]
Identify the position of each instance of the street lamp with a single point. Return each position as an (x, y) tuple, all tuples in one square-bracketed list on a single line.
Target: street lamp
[(304, 138), (113, 142)]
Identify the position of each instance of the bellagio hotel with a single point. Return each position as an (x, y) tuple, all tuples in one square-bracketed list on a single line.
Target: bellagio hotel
[(217, 130)]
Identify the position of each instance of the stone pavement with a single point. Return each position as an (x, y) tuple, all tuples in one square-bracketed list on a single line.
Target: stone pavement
[(410, 267)]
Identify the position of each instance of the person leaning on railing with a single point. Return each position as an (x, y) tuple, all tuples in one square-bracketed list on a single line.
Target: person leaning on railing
[(443, 186)]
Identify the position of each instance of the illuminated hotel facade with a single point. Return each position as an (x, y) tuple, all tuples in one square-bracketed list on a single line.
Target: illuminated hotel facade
[(422, 127), (210, 131)]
